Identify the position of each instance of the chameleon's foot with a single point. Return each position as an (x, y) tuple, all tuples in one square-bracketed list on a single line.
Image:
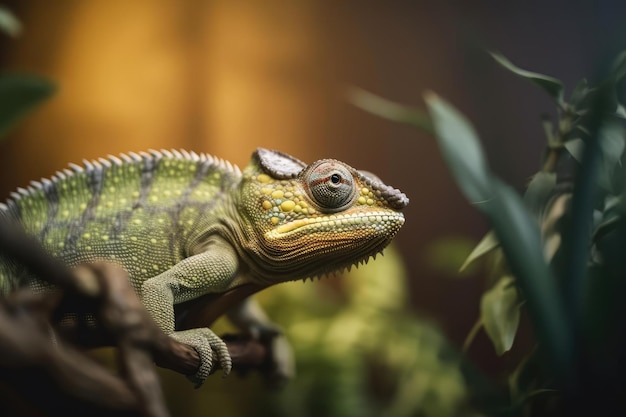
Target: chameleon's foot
[(209, 346)]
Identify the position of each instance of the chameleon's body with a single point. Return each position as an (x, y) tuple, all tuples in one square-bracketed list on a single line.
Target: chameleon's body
[(184, 225)]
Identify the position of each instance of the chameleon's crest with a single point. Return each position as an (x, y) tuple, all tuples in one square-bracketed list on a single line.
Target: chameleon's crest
[(277, 164)]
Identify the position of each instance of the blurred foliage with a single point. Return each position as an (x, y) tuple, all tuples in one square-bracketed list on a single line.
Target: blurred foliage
[(19, 93), (9, 24), (558, 250), (445, 254), (359, 352)]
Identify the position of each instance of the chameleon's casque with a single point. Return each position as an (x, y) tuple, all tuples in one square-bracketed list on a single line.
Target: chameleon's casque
[(184, 225)]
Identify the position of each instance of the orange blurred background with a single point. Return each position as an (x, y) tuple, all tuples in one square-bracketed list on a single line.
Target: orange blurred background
[(225, 77)]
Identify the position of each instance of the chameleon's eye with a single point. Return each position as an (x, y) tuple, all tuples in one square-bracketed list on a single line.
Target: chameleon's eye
[(331, 185)]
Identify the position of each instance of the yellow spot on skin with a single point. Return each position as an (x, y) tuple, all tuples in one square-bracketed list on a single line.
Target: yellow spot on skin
[(362, 200), (370, 201), (86, 235), (297, 208), (287, 205), (153, 240), (105, 237), (291, 226), (263, 178), (266, 191), (274, 220), (66, 213), (278, 194), (267, 205), (133, 238), (364, 191), (137, 221), (155, 267)]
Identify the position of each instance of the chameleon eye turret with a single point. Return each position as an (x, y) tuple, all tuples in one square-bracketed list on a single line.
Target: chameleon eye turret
[(330, 185)]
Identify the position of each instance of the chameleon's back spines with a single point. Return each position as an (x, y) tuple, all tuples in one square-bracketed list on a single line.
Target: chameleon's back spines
[(95, 170)]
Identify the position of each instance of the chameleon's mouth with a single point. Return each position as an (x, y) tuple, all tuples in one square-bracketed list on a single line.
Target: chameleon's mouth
[(341, 223)]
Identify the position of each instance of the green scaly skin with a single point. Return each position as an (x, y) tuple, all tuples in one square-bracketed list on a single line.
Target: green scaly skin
[(184, 225)]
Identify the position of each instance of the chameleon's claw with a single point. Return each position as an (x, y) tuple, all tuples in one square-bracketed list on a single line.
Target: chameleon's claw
[(209, 346)]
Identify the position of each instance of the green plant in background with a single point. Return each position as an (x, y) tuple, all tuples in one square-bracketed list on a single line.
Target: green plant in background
[(359, 352), (558, 250), (19, 93), (366, 355)]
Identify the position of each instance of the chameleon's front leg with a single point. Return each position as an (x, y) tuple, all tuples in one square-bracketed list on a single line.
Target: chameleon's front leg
[(208, 272)]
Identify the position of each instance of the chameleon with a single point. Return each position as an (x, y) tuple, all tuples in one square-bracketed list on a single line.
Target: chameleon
[(184, 225)]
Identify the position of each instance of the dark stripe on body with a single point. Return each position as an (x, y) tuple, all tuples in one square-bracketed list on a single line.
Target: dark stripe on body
[(121, 221), (176, 234), (52, 195), (95, 181), (148, 170)]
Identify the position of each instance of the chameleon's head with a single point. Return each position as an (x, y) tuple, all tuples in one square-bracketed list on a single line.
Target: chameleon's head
[(304, 221)]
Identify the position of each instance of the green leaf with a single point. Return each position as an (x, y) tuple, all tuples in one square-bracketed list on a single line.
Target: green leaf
[(9, 23), (20, 94), (618, 68), (461, 149), (539, 191), (515, 229), (550, 85), (520, 240), (611, 215), (575, 147), (388, 109), (612, 144), (499, 313), (525, 378), (579, 93), (620, 111), (486, 245)]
